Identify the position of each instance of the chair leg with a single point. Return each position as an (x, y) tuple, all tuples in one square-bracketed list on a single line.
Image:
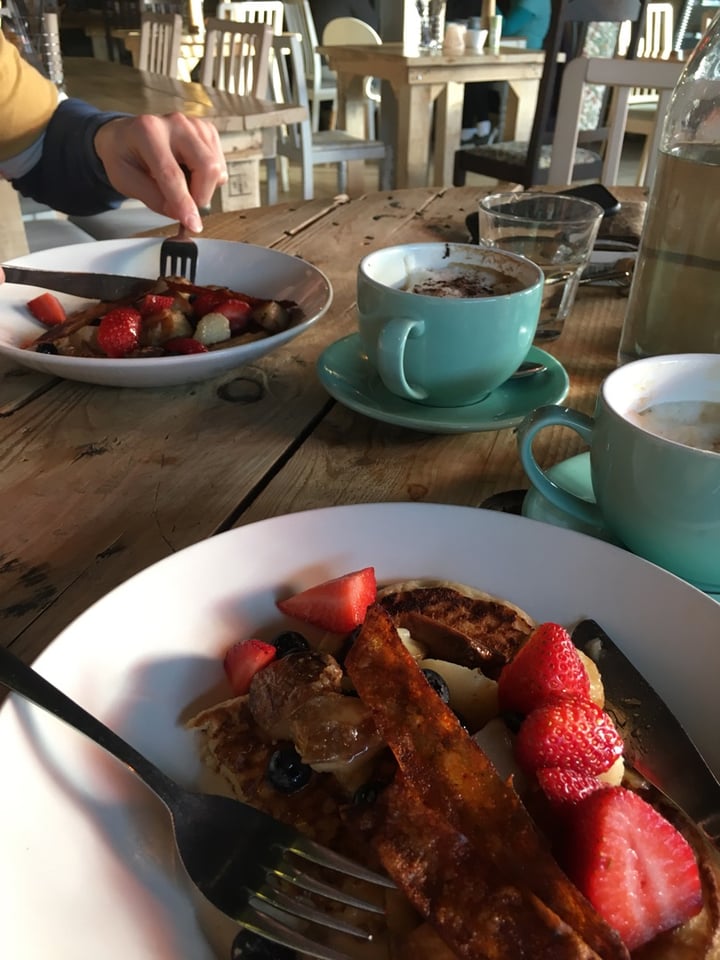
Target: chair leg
[(459, 172), (271, 177), (342, 176), (315, 114), (284, 174), (386, 170)]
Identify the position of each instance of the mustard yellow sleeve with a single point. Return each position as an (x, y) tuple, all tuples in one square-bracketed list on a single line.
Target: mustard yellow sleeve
[(27, 101)]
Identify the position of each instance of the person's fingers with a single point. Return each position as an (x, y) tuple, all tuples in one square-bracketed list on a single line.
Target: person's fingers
[(173, 164), (2, 275)]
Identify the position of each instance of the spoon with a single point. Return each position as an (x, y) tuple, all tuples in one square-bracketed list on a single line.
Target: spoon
[(621, 270), (528, 368)]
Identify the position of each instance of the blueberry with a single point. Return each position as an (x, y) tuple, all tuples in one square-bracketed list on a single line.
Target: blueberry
[(289, 642), (46, 347), (368, 793), (438, 685), (249, 946), (286, 771)]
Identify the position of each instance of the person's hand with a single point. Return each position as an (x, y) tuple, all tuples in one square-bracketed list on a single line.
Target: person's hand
[(142, 157)]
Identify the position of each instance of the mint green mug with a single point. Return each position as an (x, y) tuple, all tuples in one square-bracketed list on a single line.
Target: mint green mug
[(444, 324), (655, 462)]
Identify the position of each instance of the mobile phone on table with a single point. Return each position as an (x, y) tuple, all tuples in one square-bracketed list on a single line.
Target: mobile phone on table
[(596, 192)]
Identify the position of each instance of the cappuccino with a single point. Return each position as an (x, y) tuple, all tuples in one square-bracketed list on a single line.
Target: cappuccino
[(694, 423), (462, 281)]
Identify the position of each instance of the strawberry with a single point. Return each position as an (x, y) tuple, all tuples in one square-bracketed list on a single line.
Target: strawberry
[(153, 303), (570, 733), (47, 309), (638, 872), (337, 605), (243, 660), (184, 345), (561, 785), (119, 330), (237, 313), (206, 301), (547, 666)]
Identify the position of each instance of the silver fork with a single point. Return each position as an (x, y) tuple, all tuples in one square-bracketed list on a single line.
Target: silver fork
[(179, 256), (237, 856)]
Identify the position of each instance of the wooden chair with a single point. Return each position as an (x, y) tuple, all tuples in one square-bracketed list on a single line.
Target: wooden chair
[(160, 39), (299, 143), (355, 31), (253, 11), (237, 57), (622, 76), (528, 163), (320, 81)]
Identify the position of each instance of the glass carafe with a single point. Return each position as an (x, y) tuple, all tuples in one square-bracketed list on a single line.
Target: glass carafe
[(674, 304)]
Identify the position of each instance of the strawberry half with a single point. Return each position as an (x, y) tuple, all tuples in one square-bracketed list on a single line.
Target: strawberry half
[(119, 331), (243, 660), (47, 309), (337, 605), (181, 346), (562, 786), (638, 872), (153, 303), (546, 667), (237, 312), (570, 733)]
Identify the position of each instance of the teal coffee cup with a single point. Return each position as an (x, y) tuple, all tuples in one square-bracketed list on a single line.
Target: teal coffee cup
[(444, 324), (655, 462)]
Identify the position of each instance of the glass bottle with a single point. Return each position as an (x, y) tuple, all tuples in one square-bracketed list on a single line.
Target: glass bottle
[(674, 304)]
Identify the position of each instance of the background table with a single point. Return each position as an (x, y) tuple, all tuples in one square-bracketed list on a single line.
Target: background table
[(98, 483), (242, 121), (420, 79)]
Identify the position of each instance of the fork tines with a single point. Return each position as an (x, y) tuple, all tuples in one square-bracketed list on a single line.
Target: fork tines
[(271, 911), (179, 256)]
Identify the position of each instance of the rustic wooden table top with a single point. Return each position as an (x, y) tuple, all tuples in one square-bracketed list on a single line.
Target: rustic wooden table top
[(98, 483)]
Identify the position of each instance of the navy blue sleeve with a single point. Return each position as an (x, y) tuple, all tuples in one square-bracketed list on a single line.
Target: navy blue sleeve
[(69, 176)]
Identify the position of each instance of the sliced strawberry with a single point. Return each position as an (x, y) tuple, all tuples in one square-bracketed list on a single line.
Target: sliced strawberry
[(547, 666), (184, 345), (337, 605), (237, 312), (638, 872), (243, 660), (206, 301), (569, 733), (119, 332), (562, 785), (47, 309), (153, 303)]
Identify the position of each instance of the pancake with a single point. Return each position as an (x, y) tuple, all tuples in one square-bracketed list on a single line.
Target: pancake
[(444, 618)]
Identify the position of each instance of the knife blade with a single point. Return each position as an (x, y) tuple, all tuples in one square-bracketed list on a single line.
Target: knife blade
[(656, 744), (94, 286)]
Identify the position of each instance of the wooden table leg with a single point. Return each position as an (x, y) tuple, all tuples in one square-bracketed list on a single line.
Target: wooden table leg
[(521, 106), (413, 142), (448, 129)]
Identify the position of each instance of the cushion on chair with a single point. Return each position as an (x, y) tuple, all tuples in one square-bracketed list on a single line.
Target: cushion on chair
[(514, 151)]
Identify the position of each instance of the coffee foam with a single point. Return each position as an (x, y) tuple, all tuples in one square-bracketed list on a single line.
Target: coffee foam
[(465, 281)]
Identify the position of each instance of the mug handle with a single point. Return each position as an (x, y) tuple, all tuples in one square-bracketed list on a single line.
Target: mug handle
[(536, 421), (391, 356)]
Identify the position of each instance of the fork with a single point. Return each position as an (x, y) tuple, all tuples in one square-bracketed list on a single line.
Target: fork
[(179, 256), (237, 856)]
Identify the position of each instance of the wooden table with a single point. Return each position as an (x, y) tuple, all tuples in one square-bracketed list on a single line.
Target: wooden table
[(419, 80), (98, 483), (242, 121)]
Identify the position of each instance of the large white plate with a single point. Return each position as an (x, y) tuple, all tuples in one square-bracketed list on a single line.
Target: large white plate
[(87, 867), (241, 266)]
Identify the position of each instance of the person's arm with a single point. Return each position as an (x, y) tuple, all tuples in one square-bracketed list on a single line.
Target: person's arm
[(517, 22)]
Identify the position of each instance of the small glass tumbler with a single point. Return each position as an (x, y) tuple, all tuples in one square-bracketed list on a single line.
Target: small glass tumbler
[(555, 232), (432, 25)]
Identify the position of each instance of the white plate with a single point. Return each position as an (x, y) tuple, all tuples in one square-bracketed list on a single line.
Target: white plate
[(87, 868), (241, 266)]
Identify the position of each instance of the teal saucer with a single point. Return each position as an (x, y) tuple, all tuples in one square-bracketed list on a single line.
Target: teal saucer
[(574, 476), (347, 375)]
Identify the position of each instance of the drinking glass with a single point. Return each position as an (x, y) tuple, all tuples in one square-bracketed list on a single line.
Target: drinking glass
[(555, 232)]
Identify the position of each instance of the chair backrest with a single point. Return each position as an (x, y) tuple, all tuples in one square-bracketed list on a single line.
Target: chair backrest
[(622, 75), (567, 33), (299, 20), (349, 30), (253, 11), (287, 50), (237, 56), (160, 38)]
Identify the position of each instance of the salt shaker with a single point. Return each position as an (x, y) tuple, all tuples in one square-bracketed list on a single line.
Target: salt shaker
[(674, 303)]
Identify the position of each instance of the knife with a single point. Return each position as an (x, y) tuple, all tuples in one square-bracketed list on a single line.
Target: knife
[(94, 286), (656, 745)]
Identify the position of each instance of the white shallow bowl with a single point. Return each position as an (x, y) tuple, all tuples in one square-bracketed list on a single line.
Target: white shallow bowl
[(87, 867), (241, 266)]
